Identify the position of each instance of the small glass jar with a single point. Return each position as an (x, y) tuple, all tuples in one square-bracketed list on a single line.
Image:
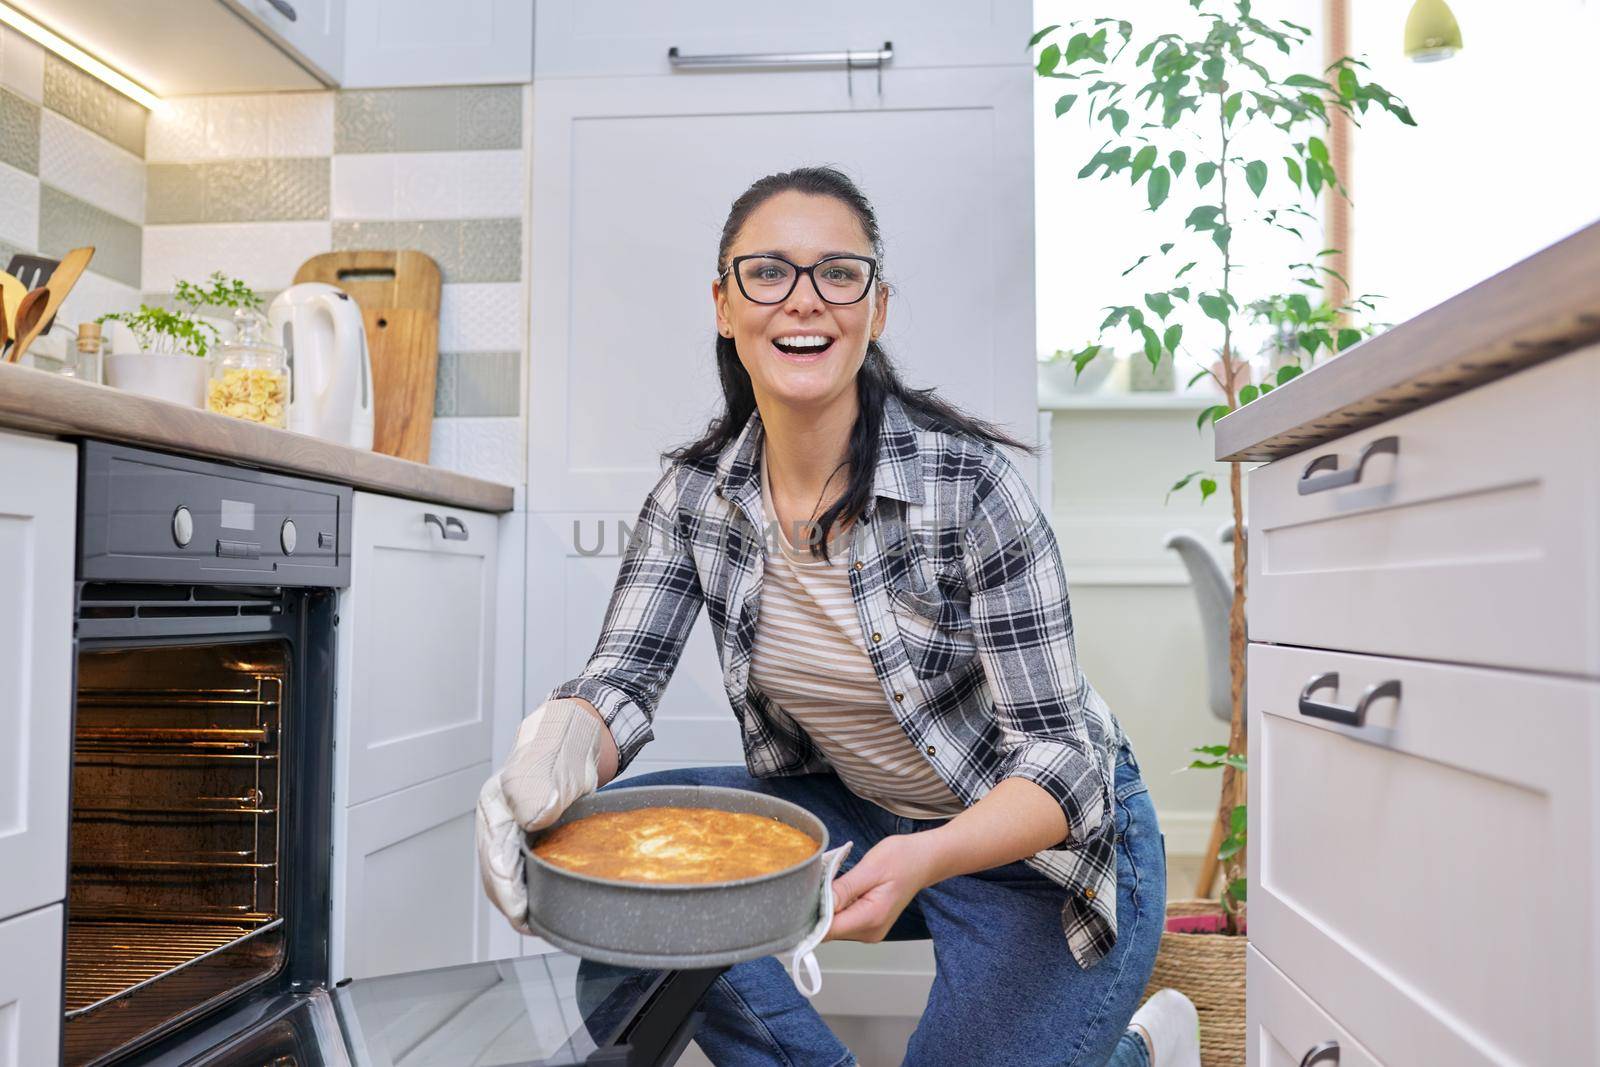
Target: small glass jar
[(250, 375), (91, 348)]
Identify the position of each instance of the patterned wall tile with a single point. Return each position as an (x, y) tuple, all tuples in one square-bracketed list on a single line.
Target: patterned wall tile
[(489, 448), (457, 185), (177, 133), (481, 318), (174, 192), (19, 132), (462, 118), (91, 103), (300, 124), (246, 126), (21, 65), (65, 222), (363, 186), (19, 210), (76, 161), (264, 254), (238, 127), (487, 383), (94, 295), (467, 250), (442, 449), (491, 250), (444, 386), (239, 190)]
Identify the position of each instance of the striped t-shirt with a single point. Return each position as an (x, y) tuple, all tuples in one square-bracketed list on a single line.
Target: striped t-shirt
[(810, 659)]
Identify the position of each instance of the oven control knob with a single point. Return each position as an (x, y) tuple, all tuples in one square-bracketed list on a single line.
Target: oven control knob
[(287, 535), (182, 527)]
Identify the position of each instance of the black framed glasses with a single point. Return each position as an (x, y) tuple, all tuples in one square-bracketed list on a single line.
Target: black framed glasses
[(769, 279)]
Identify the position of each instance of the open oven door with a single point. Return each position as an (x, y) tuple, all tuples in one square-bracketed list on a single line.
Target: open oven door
[(537, 1011)]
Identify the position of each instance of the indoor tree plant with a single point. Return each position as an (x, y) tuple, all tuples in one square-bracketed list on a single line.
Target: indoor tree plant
[(1201, 122)]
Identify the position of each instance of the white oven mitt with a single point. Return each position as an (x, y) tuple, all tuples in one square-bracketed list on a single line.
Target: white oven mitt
[(804, 954), (555, 761)]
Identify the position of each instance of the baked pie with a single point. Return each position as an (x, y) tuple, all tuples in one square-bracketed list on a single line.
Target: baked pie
[(674, 844)]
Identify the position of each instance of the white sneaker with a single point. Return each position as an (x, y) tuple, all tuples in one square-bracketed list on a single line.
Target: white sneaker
[(1173, 1028)]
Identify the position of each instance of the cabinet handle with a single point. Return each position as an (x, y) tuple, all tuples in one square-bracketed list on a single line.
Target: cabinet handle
[(1327, 1052), (1356, 716), (1334, 478), (284, 8), (450, 527), (784, 59)]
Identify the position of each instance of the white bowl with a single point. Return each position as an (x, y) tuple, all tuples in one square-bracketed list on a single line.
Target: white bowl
[(178, 378)]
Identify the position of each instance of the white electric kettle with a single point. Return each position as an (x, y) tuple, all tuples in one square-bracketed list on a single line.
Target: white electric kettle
[(330, 370)]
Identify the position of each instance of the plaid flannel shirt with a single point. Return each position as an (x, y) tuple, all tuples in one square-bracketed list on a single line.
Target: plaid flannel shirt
[(958, 581)]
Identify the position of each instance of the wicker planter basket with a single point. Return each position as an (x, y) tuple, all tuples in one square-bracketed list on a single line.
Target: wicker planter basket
[(1209, 970)]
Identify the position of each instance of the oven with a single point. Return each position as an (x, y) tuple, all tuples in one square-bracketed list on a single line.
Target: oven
[(202, 757), (198, 896)]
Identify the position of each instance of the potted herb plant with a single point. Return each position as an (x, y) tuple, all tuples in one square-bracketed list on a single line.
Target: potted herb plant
[(1202, 106), (163, 352)]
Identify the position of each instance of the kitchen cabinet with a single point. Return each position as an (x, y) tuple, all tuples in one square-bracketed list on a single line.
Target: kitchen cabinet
[(1448, 803), (38, 515), (614, 38), (946, 157), (202, 47), (30, 988), (312, 29), (415, 734), (407, 895), (416, 42), (416, 644), (1424, 697)]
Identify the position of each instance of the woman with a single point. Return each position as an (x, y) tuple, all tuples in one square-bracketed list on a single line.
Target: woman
[(909, 677)]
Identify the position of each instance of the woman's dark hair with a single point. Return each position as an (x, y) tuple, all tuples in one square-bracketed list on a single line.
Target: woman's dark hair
[(876, 381)]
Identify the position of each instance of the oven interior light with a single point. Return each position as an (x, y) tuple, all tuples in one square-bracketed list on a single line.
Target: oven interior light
[(78, 57)]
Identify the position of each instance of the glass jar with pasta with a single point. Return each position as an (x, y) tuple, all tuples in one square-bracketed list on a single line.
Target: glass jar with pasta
[(249, 374)]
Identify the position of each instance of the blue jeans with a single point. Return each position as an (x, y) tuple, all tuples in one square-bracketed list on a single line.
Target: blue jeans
[(1005, 991)]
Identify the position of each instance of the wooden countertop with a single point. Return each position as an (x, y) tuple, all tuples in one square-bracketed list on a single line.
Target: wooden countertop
[(46, 403), (1542, 307)]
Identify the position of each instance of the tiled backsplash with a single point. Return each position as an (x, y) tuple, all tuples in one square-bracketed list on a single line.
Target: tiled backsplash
[(255, 185), (71, 173)]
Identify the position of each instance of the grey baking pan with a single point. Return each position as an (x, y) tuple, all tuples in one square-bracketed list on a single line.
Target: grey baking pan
[(707, 924)]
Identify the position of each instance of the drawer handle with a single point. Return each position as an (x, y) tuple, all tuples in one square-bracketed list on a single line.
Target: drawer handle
[(284, 8), (1356, 716), (1327, 1052), (450, 527), (1312, 482)]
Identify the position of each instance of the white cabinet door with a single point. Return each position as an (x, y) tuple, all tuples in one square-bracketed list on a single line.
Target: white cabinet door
[(38, 508), (406, 890), (30, 988), (1468, 536), (416, 645), (636, 175), (1429, 878), (311, 29), (420, 42), (1286, 1028), (621, 37)]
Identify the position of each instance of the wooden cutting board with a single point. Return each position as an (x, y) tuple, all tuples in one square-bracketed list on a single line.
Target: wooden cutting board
[(398, 293)]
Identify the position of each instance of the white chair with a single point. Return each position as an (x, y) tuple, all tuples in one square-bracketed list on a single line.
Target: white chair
[(1213, 591)]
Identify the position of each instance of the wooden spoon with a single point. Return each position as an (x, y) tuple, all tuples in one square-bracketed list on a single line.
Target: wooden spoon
[(62, 279), (30, 316), (13, 291)]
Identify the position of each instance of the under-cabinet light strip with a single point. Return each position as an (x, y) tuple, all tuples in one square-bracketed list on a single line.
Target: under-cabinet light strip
[(78, 57)]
